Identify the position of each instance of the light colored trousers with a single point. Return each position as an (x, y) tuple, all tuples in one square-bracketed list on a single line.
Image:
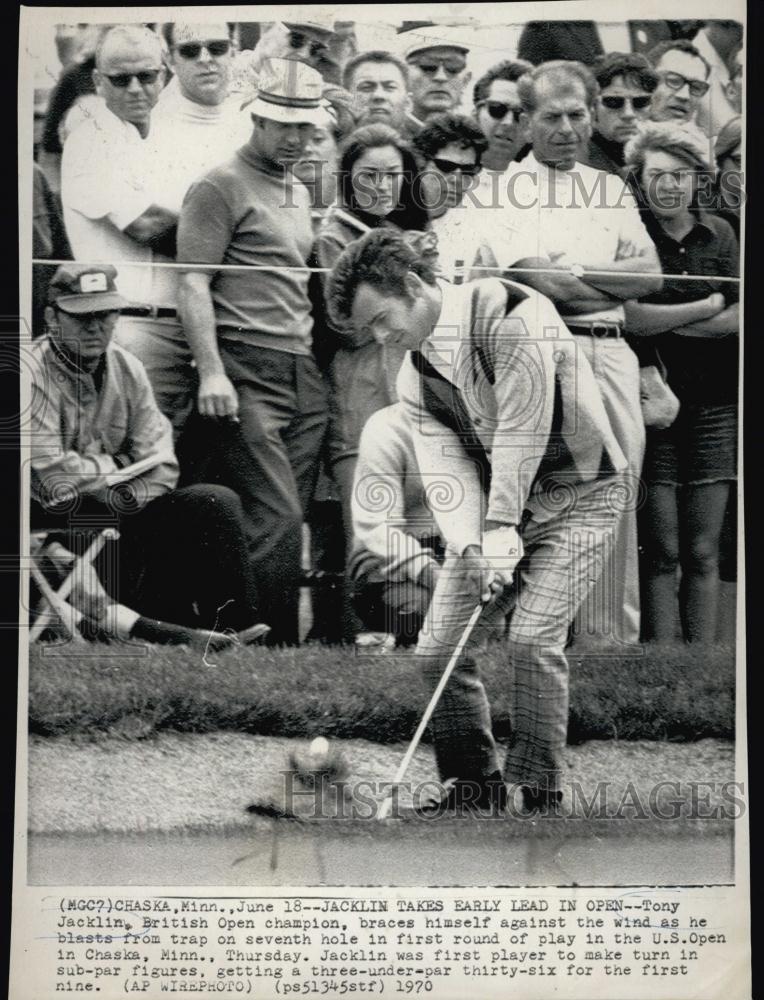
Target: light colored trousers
[(162, 347), (563, 558), (611, 612)]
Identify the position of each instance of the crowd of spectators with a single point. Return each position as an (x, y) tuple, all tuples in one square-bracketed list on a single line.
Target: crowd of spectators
[(207, 178)]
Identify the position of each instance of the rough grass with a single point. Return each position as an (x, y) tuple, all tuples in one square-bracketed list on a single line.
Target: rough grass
[(668, 693)]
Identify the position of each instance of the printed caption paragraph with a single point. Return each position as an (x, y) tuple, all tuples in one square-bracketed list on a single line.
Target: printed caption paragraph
[(332, 946)]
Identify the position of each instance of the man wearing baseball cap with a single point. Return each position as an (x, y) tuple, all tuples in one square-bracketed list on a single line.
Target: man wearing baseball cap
[(102, 456), (438, 74), (247, 316)]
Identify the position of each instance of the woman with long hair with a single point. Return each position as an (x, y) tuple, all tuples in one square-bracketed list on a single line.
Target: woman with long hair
[(378, 185), (690, 465)]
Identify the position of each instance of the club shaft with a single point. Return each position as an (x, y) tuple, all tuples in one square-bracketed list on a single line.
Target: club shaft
[(404, 765)]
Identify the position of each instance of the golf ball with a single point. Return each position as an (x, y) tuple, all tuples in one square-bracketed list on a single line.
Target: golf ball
[(319, 747)]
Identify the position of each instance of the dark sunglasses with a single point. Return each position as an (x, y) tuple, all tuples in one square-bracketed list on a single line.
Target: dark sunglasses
[(298, 41), (123, 80), (499, 110), (449, 167), (675, 81), (452, 66), (192, 50), (617, 103)]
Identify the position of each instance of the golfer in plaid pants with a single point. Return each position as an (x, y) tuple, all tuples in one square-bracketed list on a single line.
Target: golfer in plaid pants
[(500, 397)]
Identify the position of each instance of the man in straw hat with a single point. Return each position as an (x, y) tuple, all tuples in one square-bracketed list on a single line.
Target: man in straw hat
[(261, 400)]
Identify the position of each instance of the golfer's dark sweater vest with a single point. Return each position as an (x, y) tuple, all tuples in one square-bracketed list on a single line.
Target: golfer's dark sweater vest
[(445, 402)]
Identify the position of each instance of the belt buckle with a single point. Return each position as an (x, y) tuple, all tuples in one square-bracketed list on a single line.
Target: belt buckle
[(600, 329)]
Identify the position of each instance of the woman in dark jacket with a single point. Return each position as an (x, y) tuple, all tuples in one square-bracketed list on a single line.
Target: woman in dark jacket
[(378, 185), (690, 465)]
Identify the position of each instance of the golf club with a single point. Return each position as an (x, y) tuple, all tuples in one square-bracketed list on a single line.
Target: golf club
[(384, 809)]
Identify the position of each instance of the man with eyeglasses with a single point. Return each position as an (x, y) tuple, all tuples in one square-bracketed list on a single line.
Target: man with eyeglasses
[(438, 74), (626, 84), (195, 126), (110, 211), (682, 81)]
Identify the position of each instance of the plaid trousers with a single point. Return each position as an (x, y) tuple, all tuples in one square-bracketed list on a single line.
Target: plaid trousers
[(563, 559)]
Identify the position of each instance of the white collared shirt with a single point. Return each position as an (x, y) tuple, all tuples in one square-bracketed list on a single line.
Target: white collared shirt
[(580, 216), (104, 188)]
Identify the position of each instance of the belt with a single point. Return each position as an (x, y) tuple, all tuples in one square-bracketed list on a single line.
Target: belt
[(156, 312), (596, 329)]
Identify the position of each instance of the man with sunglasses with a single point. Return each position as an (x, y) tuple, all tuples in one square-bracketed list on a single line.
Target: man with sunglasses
[(626, 84), (110, 210), (306, 41), (497, 109), (438, 73), (195, 126), (682, 81)]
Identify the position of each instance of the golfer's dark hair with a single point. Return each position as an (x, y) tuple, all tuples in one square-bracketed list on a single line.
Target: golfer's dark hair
[(410, 213), (657, 52), (561, 71), (168, 32), (632, 66), (382, 259), (443, 130), (373, 56), (510, 70)]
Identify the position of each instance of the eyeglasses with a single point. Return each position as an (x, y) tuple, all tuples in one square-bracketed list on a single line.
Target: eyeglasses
[(675, 81), (192, 50), (498, 110), (617, 103), (449, 167), (145, 78), (298, 41), (452, 66)]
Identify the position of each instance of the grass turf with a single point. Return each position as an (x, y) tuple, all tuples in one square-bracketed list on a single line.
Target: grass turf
[(668, 693)]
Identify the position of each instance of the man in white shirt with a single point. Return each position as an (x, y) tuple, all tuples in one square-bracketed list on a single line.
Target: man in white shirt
[(110, 214), (194, 127), (587, 223)]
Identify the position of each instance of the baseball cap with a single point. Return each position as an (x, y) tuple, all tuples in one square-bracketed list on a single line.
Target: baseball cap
[(433, 37), (78, 289)]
